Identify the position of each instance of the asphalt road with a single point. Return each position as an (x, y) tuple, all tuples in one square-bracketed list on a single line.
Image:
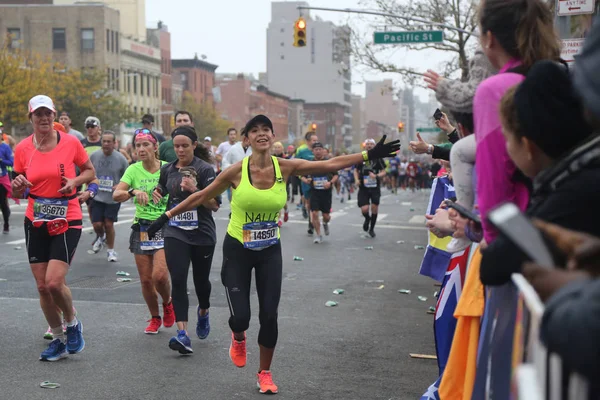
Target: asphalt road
[(357, 350)]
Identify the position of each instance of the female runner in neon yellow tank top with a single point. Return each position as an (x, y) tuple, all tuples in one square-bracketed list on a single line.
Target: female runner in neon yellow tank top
[(252, 239)]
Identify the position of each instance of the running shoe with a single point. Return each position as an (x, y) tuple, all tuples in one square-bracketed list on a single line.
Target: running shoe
[(112, 256), (366, 224), (372, 233), (318, 239), (279, 223), (304, 213), (48, 335), (169, 315), (56, 351), (265, 382), (153, 326), (97, 245), (181, 343), (326, 228), (75, 342), (203, 325), (286, 216), (237, 351), (6, 228)]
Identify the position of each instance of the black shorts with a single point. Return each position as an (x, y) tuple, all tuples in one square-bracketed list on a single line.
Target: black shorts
[(320, 200), (41, 247), (368, 196), (102, 211)]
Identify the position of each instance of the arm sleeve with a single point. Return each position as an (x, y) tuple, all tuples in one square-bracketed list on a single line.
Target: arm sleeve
[(6, 156), (81, 156), (162, 180), (571, 326), (442, 151), (453, 136)]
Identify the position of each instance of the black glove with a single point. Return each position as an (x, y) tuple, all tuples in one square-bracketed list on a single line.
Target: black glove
[(157, 225), (382, 150)]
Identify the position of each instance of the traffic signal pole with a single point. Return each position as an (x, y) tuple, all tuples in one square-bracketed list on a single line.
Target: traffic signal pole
[(408, 18)]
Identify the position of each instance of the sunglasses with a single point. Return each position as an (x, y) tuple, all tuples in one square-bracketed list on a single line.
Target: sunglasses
[(90, 126), (144, 130)]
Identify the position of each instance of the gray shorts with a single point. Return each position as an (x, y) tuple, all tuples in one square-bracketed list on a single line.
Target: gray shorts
[(135, 244)]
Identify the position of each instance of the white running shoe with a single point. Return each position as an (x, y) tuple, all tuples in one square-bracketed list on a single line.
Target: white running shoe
[(318, 239), (112, 256), (98, 245)]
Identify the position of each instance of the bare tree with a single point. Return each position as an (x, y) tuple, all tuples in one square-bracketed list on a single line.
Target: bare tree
[(458, 13)]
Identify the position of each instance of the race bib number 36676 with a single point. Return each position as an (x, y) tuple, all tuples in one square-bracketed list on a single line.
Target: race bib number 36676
[(49, 209)]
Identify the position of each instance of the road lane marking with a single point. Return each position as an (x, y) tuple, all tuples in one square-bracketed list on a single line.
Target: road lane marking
[(416, 228)]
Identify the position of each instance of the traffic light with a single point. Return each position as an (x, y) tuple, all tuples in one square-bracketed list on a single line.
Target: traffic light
[(313, 127), (400, 127), (300, 32)]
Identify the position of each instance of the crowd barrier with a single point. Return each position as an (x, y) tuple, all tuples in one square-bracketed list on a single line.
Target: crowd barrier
[(539, 374)]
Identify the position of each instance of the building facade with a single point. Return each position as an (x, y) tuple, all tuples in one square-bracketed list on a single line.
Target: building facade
[(318, 73), (242, 99), (330, 120), (197, 78), (380, 104), (161, 38), (359, 120), (141, 81), (297, 123), (375, 130), (132, 14)]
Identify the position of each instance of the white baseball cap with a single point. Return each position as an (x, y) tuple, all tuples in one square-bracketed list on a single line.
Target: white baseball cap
[(41, 101), (92, 121), (370, 140), (208, 139)]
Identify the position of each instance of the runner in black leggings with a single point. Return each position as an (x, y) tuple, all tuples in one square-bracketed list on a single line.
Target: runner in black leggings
[(252, 240), (191, 236)]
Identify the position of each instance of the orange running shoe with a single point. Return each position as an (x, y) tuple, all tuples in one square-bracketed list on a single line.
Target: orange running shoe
[(153, 326), (169, 315), (265, 383), (237, 351)]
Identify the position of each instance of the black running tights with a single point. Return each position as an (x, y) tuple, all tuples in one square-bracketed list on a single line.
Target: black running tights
[(236, 275), (4, 204), (178, 255)]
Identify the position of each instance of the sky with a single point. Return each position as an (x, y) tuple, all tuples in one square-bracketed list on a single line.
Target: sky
[(232, 34)]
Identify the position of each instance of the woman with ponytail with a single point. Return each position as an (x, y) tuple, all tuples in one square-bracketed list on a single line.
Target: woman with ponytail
[(191, 237), (514, 35)]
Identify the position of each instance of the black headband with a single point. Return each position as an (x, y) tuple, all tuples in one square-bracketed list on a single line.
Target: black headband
[(185, 131)]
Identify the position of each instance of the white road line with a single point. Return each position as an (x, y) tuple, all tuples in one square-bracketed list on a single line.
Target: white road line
[(417, 219), (89, 228), (406, 203), (406, 228), (381, 217)]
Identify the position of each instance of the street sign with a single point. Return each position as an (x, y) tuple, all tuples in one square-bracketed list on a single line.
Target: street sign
[(408, 37), (429, 130), (570, 48), (575, 7)]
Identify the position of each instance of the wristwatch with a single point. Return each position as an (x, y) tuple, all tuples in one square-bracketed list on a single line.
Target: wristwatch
[(430, 149), (92, 194), (130, 192)]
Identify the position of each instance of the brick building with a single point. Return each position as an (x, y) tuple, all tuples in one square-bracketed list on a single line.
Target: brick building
[(197, 78), (375, 130), (330, 120), (241, 99)]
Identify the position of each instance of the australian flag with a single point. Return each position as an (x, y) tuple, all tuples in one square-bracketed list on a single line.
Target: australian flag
[(445, 323), (436, 258)]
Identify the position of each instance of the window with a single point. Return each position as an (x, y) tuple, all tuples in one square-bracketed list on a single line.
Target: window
[(148, 85), (282, 57), (142, 84), (59, 39), (135, 84), (282, 44), (116, 42), (87, 39), (118, 85), (14, 35), (112, 41), (108, 40)]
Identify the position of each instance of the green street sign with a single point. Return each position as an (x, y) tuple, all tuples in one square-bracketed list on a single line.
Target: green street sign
[(408, 37), (429, 130), (133, 125)]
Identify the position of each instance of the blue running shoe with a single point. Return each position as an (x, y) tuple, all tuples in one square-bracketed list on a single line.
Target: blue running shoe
[(203, 325), (181, 343), (75, 342), (56, 351)]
